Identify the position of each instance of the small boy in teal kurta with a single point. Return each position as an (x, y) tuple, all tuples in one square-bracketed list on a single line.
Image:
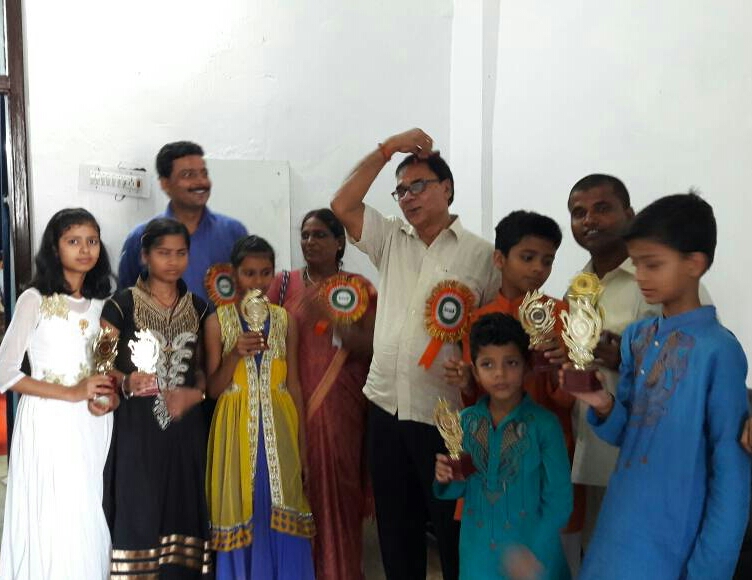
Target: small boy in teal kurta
[(520, 497)]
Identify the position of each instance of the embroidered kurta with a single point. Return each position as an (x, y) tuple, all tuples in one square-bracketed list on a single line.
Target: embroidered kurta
[(54, 526), (544, 389), (521, 494), (678, 501), (155, 498), (256, 399)]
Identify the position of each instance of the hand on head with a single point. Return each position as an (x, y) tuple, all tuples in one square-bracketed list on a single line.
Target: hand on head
[(414, 141)]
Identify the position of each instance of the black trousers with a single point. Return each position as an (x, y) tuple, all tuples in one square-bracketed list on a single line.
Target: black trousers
[(402, 457)]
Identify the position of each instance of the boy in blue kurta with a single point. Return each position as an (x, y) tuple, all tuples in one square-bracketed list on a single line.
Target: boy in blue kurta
[(677, 502), (521, 494)]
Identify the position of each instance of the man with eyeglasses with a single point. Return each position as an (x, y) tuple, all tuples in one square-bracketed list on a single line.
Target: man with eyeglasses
[(184, 178), (412, 255)]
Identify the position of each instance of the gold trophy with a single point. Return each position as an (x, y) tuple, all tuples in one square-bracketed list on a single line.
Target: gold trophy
[(536, 314), (448, 424), (582, 331), (254, 308), (104, 351)]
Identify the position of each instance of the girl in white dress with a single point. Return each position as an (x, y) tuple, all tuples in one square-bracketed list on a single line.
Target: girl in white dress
[(54, 523)]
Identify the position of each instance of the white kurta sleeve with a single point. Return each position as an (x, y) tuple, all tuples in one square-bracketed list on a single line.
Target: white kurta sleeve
[(17, 338)]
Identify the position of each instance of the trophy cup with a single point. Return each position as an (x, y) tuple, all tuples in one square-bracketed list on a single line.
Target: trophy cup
[(536, 314), (582, 331), (104, 351), (448, 424), (254, 309)]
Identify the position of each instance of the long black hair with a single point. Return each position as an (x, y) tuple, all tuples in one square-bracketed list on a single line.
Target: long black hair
[(332, 223), (49, 277)]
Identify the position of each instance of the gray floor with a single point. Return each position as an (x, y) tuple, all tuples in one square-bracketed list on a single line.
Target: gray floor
[(371, 557)]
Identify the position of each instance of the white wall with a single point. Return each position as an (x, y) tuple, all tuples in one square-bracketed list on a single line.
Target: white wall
[(542, 93), (656, 93), (316, 84)]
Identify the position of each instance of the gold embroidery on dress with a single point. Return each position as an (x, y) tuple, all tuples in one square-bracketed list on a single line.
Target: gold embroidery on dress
[(53, 306), (277, 334), (170, 323), (187, 551), (259, 399), (84, 370), (83, 324), (176, 330), (229, 325), (49, 377)]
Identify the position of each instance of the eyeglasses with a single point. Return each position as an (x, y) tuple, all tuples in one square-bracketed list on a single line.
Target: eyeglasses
[(416, 188)]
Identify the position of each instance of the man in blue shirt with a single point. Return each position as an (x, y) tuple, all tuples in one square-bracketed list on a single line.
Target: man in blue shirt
[(184, 178)]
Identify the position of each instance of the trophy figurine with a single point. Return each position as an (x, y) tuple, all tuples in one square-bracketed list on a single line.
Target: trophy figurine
[(254, 309), (145, 351), (536, 314), (104, 352), (448, 424), (582, 331), (144, 356)]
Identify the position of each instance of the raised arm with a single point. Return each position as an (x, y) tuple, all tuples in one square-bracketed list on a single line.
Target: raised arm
[(347, 204)]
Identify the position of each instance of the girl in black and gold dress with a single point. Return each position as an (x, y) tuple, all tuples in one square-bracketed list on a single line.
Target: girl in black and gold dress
[(155, 498)]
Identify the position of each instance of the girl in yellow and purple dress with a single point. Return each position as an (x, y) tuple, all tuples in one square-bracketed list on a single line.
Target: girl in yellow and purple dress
[(261, 522)]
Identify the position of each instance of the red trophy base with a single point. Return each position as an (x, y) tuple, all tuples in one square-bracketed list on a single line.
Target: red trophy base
[(463, 467), (541, 364), (581, 381)]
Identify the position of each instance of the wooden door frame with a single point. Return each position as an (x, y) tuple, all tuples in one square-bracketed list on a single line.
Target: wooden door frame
[(13, 85)]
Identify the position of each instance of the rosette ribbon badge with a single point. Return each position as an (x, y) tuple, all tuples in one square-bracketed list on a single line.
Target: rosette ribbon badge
[(345, 298), (447, 315)]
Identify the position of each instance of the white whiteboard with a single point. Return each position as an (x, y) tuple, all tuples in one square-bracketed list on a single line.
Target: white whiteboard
[(257, 193)]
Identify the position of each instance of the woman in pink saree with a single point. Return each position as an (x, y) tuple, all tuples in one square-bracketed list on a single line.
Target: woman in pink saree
[(333, 365)]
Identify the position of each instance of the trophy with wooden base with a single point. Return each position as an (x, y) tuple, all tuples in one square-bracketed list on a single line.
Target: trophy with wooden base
[(104, 351), (536, 314), (582, 331), (450, 428)]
